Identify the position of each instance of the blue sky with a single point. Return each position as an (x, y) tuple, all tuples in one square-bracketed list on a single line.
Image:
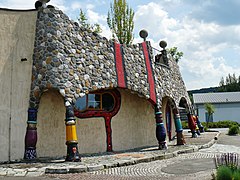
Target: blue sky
[(206, 31)]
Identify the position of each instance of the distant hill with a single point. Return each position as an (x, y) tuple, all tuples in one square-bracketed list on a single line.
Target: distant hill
[(203, 90)]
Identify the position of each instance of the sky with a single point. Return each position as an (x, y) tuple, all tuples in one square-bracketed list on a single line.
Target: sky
[(206, 31)]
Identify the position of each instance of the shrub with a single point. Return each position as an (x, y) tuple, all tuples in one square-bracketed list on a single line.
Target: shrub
[(224, 173), (184, 124), (219, 124), (233, 130), (236, 175)]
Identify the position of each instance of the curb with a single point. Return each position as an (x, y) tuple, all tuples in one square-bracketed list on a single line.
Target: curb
[(120, 163)]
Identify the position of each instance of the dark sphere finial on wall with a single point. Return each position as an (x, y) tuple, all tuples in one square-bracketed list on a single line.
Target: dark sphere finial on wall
[(163, 44), (38, 4), (143, 34)]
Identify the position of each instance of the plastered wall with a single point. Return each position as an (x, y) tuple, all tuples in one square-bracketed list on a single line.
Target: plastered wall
[(133, 126), (17, 34)]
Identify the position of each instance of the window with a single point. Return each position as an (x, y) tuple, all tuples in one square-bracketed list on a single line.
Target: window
[(95, 101)]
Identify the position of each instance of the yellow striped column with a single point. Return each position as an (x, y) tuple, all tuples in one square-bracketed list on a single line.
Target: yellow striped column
[(71, 136)]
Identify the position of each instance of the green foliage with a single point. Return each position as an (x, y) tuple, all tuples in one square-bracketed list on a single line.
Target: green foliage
[(233, 130), (83, 21), (184, 124), (120, 21), (224, 173), (219, 124), (236, 175), (177, 55), (230, 84), (209, 108)]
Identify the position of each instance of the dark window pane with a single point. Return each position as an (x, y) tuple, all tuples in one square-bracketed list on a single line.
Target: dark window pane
[(94, 101), (81, 103), (107, 102)]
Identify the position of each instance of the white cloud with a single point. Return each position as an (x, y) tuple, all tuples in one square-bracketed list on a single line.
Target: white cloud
[(201, 43)]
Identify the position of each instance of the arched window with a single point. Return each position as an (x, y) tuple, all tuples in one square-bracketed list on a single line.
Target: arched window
[(98, 104)]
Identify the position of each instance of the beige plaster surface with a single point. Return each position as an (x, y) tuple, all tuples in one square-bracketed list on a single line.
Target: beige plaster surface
[(52, 133), (51, 125), (17, 34), (134, 125)]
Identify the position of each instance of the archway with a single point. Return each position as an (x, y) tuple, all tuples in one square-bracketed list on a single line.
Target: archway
[(168, 106), (189, 112)]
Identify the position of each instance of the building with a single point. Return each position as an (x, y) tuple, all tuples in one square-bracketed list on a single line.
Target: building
[(227, 105), (67, 84)]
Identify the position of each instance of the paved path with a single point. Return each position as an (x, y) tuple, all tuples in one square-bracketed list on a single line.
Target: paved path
[(197, 165)]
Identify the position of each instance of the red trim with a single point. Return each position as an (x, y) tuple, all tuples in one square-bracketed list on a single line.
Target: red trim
[(105, 114), (150, 74), (119, 65)]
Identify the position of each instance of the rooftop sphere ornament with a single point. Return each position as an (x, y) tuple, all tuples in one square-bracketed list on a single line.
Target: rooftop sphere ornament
[(143, 34), (44, 2), (163, 44)]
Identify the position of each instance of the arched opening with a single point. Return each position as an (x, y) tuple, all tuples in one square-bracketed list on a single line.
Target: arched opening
[(183, 109), (168, 116)]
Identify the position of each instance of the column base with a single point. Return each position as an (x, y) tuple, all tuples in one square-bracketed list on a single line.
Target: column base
[(194, 134), (30, 153), (163, 146), (201, 129), (180, 139), (72, 153)]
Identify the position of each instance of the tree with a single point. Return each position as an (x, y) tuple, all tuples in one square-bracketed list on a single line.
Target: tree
[(231, 84), (175, 53), (120, 21), (210, 110), (83, 21)]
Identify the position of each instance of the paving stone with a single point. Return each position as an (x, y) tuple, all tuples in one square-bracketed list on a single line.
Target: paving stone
[(95, 167), (20, 173), (32, 169), (3, 173), (78, 169), (56, 170), (34, 174), (10, 172)]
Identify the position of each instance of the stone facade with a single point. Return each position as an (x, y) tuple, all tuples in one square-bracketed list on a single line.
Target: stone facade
[(76, 61), (70, 62)]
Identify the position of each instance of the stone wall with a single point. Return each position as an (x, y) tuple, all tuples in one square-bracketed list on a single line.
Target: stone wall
[(76, 61)]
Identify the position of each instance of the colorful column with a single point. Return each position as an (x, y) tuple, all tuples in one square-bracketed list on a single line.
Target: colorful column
[(179, 129), (192, 125), (71, 136), (160, 130), (31, 135), (200, 126)]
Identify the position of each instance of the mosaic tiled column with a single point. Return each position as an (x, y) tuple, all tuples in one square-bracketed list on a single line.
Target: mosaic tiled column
[(31, 135), (160, 130), (71, 136), (192, 125), (179, 129), (200, 126)]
